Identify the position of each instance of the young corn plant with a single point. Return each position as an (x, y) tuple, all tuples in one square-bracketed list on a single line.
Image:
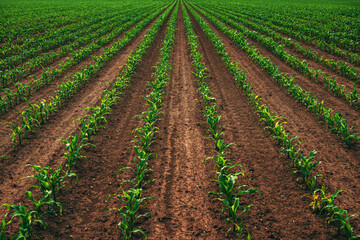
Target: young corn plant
[(141, 170), (16, 133), (305, 166), (28, 218), (132, 199), (50, 183), (2, 228)]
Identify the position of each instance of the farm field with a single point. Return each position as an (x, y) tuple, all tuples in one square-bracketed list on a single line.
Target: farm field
[(180, 119)]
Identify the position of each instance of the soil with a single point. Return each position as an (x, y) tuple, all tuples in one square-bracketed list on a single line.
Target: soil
[(181, 207)]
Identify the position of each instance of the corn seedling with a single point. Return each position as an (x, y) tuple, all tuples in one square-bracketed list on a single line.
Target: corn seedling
[(129, 213), (50, 183), (27, 218)]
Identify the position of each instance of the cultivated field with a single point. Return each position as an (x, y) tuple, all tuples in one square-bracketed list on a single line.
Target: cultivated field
[(180, 119)]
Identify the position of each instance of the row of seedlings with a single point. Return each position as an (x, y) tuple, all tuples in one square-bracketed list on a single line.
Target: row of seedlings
[(334, 121), (12, 75), (303, 165), (12, 97), (33, 45), (307, 34), (343, 68), (132, 199), (279, 50), (227, 172), (37, 114), (19, 50), (51, 181), (67, 42)]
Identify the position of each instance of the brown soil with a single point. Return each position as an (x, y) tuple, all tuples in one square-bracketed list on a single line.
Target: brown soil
[(98, 172), (338, 104), (301, 122), (181, 207)]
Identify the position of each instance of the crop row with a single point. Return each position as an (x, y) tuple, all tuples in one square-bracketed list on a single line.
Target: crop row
[(303, 165), (227, 172), (99, 38), (289, 31), (52, 181), (23, 90), (334, 121), (37, 114), (322, 33), (340, 67), (132, 199), (32, 46), (16, 54), (278, 50)]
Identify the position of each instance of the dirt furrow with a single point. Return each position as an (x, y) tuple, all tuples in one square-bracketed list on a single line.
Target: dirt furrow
[(44, 148), (182, 208), (339, 165)]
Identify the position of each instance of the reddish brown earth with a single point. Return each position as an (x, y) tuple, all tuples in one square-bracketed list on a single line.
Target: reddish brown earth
[(340, 165), (181, 207)]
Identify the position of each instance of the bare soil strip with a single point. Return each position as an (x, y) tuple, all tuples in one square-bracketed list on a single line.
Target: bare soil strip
[(182, 208), (339, 165)]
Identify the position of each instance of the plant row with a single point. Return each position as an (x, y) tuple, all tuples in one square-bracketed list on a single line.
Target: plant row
[(37, 114), (16, 54), (52, 181), (227, 172), (13, 97), (303, 165), (302, 66), (334, 121), (308, 39), (312, 31), (132, 198), (343, 68), (99, 37)]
